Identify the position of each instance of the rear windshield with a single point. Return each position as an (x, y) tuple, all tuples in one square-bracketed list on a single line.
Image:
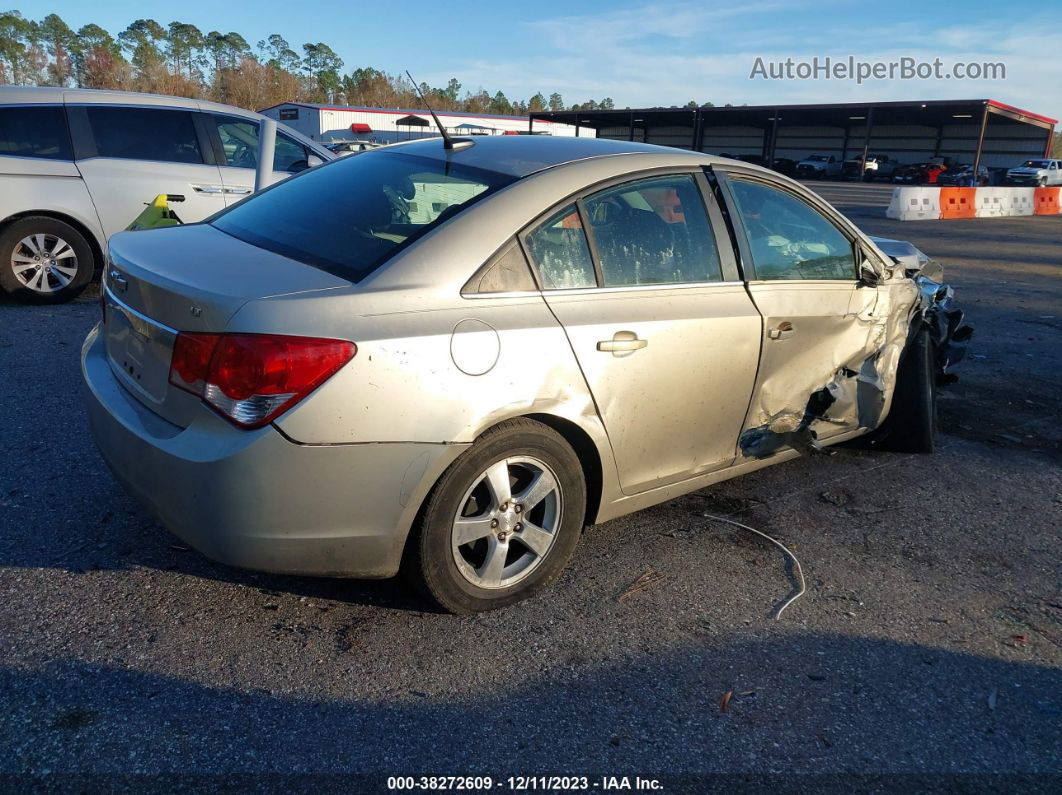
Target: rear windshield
[(350, 216)]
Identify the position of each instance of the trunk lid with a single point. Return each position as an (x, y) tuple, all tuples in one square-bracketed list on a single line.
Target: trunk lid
[(192, 278)]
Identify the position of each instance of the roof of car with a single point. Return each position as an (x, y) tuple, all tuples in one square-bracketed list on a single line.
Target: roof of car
[(521, 155), (57, 94)]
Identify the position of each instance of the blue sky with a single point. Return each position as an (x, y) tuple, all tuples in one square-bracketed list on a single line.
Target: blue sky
[(647, 53)]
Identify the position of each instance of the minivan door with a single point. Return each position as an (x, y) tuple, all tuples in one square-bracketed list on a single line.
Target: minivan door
[(663, 331), (238, 141), (128, 155)]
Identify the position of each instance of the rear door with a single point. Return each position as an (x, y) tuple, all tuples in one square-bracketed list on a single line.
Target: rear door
[(646, 289), (820, 323), (235, 139), (128, 155)]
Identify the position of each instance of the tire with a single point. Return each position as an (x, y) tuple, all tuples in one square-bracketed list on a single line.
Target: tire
[(468, 578), (27, 246), (911, 426)]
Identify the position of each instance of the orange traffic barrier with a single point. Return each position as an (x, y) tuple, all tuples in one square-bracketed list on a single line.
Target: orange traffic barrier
[(1045, 201), (958, 203)]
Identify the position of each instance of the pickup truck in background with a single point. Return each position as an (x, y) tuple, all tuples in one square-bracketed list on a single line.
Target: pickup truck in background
[(1037, 173), (876, 167), (818, 167)]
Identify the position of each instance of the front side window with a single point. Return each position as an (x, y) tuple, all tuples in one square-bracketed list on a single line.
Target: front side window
[(35, 131), (145, 134), (239, 141), (653, 231), (788, 238), (351, 215), (561, 252)]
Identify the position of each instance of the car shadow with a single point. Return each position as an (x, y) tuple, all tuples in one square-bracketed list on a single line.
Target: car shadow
[(814, 704)]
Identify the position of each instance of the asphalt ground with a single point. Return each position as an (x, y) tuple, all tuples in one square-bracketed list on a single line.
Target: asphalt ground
[(929, 641)]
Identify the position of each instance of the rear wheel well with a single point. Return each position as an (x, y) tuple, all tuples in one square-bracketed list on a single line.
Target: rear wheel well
[(88, 234), (585, 449)]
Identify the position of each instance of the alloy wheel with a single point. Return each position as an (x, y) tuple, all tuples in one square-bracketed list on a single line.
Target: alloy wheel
[(44, 263), (507, 522)]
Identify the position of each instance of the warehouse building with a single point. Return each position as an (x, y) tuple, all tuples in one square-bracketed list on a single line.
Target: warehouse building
[(388, 125), (977, 131)]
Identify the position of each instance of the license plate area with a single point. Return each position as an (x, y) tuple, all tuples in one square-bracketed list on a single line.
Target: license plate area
[(139, 349)]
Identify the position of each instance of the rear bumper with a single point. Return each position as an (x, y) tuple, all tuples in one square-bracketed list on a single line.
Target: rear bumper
[(254, 499)]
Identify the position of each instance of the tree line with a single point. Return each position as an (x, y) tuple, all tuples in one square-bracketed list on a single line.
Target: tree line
[(180, 59)]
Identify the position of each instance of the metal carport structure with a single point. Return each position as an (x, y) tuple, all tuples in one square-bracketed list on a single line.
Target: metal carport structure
[(977, 131)]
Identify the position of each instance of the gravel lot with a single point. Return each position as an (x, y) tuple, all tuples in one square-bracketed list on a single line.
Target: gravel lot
[(930, 639)]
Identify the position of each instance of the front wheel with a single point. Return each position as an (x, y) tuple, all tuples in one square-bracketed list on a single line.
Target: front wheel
[(502, 522), (911, 426), (44, 260)]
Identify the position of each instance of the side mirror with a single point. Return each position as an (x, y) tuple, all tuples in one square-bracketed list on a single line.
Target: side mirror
[(869, 275), (313, 160)]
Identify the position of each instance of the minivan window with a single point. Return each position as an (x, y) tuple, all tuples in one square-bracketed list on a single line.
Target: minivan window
[(35, 131), (239, 141), (145, 134), (351, 215)]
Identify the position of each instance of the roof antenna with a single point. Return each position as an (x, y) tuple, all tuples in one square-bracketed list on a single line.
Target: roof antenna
[(448, 142)]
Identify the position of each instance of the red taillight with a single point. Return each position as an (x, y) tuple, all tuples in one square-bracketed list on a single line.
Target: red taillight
[(252, 378)]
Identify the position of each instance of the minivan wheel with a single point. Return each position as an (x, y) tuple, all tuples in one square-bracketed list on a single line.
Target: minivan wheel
[(44, 261), (503, 520)]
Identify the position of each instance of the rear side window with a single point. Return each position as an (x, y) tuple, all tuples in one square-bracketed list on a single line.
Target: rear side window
[(35, 132), (561, 252), (653, 231), (145, 134), (351, 215)]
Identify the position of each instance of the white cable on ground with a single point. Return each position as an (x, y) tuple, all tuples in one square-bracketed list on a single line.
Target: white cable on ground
[(781, 546)]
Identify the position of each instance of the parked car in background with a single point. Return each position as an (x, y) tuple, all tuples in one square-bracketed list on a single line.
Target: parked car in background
[(911, 174), (1036, 172), (818, 167), (283, 409), (963, 176), (342, 148), (784, 165), (875, 167), (76, 166), (919, 173)]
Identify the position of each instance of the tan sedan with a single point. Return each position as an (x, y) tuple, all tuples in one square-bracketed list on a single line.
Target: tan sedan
[(453, 360)]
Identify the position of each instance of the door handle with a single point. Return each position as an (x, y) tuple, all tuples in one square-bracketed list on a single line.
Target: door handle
[(239, 191), (781, 331), (211, 189), (622, 341)]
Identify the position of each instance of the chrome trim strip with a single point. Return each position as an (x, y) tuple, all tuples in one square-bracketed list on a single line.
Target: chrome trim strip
[(141, 323), (631, 288)]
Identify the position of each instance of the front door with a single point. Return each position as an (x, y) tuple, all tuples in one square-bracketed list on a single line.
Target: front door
[(665, 335), (822, 328), (135, 154), (239, 144)]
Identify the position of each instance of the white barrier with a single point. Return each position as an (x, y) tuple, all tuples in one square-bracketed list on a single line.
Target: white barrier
[(916, 203), (992, 203), (1020, 201), (922, 203)]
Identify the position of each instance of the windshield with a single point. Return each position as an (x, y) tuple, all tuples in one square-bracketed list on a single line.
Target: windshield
[(350, 216), (1034, 164), (819, 158)]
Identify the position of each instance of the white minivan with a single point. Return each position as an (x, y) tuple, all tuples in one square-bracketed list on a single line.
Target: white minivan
[(78, 165)]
